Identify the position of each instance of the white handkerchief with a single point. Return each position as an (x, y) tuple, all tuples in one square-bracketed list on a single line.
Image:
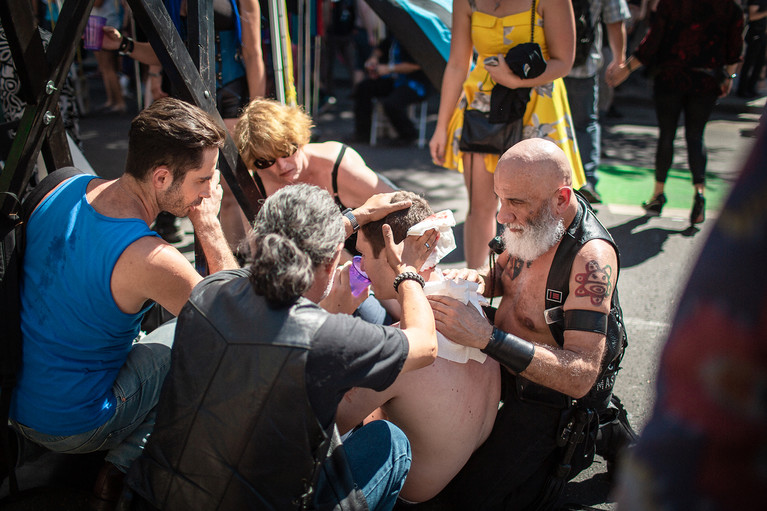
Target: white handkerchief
[(465, 292), (442, 222)]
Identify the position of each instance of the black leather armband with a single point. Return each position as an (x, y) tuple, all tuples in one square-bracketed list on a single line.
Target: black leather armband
[(586, 321), (510, 350)]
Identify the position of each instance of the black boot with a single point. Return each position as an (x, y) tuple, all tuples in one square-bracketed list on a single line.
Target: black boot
[(698, 213), (107, 488), (615, 435)]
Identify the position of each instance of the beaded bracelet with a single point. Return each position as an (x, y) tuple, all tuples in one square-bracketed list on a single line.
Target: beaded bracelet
[(408, 275)]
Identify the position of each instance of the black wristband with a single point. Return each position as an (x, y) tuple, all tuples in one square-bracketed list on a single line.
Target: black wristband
[(126, 46), (352, 219), (510, 350), (408, 275)]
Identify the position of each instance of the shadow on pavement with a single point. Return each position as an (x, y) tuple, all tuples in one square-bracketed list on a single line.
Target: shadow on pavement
[(637, 247)]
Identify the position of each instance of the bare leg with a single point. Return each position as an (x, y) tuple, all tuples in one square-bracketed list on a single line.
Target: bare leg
[(108, 69), (480, 225)]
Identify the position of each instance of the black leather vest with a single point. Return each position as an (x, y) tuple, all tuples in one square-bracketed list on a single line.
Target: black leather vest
[(235, 429), (584, 228)]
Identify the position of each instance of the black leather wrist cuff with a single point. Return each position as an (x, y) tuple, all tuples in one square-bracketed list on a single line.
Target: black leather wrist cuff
[(586, 321), (510, 350), (408, 275)]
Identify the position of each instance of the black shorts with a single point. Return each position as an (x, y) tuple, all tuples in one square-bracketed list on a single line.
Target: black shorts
[(232, 98)]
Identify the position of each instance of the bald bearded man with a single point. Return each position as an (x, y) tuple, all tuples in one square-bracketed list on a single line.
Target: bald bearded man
[(558, 331)]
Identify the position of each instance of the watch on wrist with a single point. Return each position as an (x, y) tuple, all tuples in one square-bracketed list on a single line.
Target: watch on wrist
[(126, 46), (352, 219)]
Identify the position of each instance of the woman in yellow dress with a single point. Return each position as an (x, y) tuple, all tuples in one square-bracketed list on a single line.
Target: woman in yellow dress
[(492, 27)]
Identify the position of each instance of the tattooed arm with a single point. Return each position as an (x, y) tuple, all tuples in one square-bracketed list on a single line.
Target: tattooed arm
[(573, 369)]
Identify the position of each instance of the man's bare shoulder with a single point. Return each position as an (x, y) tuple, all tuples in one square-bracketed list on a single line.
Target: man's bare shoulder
[(593, 276), (150, 268)]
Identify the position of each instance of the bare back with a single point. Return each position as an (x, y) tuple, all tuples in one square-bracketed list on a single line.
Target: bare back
[(447, 411)]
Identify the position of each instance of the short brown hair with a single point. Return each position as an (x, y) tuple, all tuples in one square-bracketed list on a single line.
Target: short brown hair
[(267, 129), (171, 133), (400, 221)]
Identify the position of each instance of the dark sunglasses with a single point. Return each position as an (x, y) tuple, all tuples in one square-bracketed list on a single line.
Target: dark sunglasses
[(262, 164)]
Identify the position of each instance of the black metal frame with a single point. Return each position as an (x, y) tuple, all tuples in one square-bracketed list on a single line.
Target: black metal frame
[(42, 75)]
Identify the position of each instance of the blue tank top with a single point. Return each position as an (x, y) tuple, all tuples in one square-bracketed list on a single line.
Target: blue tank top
[(76, 339)]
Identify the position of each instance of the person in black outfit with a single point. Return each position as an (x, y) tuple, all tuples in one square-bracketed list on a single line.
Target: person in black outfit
[(692, 50), (246, 418), (394, 77), (756, 45)]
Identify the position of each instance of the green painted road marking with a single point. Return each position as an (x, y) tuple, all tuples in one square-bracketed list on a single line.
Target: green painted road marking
[(624, 184)]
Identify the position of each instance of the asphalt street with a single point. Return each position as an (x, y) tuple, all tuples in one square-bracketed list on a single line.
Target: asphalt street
[(656, 253)]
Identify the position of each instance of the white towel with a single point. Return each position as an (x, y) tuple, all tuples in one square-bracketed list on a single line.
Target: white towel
[(443, 222), (465, 292)]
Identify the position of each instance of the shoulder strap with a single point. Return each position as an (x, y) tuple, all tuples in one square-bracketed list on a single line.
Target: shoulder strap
[(559, 274), (336, 165), (45, 186), (532, 22)]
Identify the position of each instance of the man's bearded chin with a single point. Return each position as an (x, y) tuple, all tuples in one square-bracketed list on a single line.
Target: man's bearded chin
[(536, 238)]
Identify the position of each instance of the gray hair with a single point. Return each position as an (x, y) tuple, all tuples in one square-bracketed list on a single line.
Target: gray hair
[(298, 229)]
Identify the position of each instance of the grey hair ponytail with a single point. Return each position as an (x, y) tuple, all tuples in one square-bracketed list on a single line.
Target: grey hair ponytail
[(297, 229)]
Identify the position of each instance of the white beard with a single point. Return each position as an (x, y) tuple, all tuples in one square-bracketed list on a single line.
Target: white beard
[(536, 238)]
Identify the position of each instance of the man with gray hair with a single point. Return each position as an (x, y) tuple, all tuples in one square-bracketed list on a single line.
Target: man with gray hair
[(246, 418), (557, 333)]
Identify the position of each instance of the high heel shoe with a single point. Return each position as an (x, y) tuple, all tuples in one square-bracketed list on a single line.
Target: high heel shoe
[(698, 213), (655, 206)]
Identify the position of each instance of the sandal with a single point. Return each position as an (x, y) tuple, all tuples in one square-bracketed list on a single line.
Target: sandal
[(698, 213), (655, 206)]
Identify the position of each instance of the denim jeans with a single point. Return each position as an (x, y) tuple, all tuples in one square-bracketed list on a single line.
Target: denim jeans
[(137, 390), (379, 457), (583, 96)]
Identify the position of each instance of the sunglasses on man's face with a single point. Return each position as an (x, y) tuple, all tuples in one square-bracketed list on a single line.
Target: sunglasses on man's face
[(262, 164)]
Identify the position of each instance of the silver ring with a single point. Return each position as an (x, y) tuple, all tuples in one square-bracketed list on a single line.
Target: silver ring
[(427, 245)]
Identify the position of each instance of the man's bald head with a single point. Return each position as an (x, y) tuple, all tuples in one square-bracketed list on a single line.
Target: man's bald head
[(538, 162)]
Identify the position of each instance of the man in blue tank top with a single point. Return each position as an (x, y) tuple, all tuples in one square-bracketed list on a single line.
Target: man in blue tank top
[(92, 266)]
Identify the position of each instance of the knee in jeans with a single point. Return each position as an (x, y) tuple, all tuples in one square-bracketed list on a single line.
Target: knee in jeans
[(400, 445)]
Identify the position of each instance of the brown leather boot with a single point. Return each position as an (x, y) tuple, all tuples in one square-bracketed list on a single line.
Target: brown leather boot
[(107, 488)]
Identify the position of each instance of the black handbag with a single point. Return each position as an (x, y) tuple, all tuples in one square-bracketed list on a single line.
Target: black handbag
[(484, 132), (479, 135)]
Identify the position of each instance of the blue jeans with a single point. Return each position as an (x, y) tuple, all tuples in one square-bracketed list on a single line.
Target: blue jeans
[(137, 390), (379, 458), (583, 96)]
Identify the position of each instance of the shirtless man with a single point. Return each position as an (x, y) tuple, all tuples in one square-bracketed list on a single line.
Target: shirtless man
[(542, 372), (446, 409)]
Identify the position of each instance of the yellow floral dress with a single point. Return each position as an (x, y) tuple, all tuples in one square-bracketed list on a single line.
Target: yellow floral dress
[(548, 112)]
